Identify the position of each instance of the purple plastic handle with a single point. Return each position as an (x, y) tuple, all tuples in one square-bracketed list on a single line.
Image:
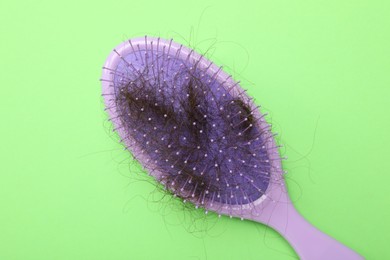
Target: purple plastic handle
[(308, 242)]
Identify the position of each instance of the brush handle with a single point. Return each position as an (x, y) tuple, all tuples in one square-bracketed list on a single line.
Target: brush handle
[(308, 242)]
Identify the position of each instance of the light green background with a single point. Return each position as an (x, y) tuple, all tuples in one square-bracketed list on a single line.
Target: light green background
[(320, 68)]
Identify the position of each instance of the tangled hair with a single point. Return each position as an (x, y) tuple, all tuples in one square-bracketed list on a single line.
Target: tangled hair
[(190, 125)]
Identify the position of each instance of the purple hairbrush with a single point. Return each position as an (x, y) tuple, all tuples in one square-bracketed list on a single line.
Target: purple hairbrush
[(196, 131)]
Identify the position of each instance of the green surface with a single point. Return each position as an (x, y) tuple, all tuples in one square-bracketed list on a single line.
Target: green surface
[(320, 68)]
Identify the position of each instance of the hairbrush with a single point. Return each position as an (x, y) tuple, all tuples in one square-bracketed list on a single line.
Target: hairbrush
[(197, 132)]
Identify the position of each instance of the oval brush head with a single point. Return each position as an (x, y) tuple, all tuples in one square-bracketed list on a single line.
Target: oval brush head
[(189, 124), (194, 129)]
